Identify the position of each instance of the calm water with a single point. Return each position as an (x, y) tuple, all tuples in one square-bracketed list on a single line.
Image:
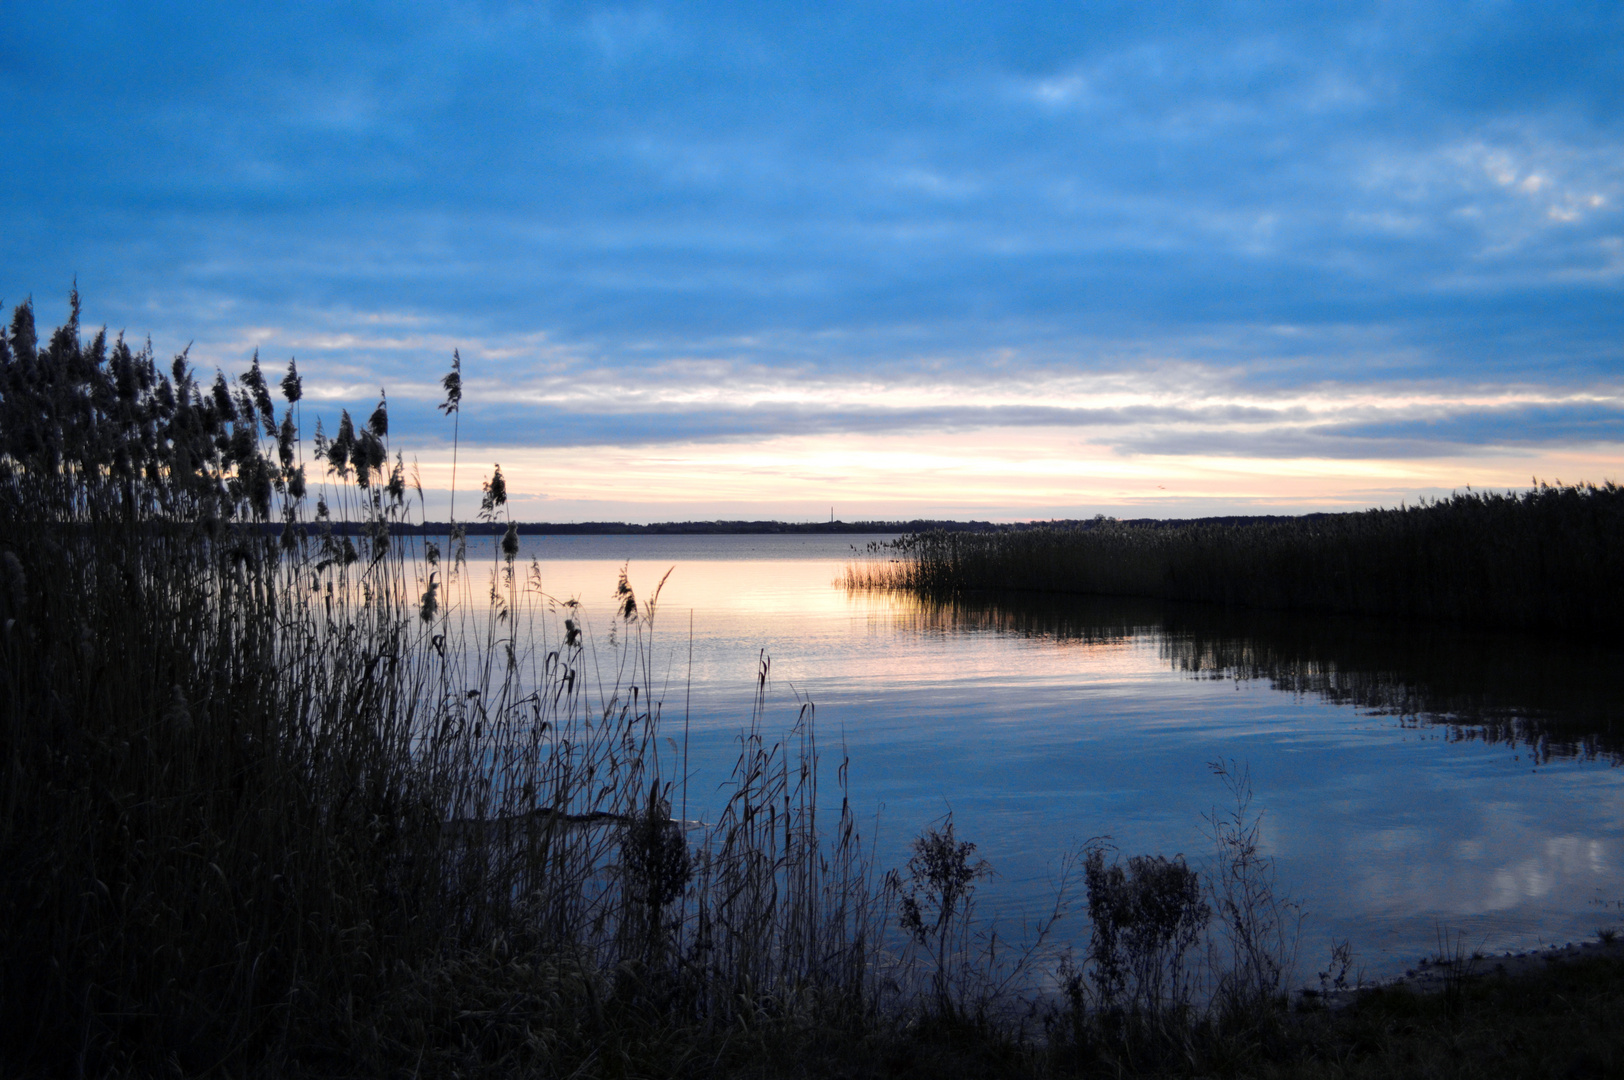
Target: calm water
[(1412, 780)]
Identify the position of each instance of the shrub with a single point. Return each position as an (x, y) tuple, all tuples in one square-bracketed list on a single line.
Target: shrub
[(1147, 918)]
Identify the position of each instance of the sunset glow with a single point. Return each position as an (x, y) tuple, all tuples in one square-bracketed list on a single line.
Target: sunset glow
[(715, 261)]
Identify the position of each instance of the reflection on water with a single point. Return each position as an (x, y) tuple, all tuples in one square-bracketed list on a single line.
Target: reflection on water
[(1412, 777), (1562, 698)]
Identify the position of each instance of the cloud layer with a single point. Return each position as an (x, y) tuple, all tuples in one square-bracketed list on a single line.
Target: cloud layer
[(1360, 233)]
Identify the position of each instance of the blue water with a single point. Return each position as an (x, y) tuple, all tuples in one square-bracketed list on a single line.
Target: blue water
[(1389, 825)]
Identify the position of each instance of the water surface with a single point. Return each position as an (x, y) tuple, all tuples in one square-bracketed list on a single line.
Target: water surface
[(1413, 781)]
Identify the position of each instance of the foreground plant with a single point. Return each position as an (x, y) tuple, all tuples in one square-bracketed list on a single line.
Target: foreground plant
[(277, 800)]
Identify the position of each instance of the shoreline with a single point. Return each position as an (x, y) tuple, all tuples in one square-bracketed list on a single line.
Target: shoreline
[(1434, 976)]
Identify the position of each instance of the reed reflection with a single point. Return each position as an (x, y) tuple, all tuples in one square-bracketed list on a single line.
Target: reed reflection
[(1550, 698)]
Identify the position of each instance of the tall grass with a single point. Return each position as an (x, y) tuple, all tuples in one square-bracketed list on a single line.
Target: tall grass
[(275, 800), (1548, 559)]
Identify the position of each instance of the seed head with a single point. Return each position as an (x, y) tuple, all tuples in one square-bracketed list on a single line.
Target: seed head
[(453, 385), (292, 385), (431, 599)]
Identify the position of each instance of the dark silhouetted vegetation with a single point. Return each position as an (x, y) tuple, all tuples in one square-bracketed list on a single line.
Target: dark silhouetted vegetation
[(278, 801), (1550, 559)]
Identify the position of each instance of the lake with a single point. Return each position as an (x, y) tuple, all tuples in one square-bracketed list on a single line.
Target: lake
[(1413, 781)]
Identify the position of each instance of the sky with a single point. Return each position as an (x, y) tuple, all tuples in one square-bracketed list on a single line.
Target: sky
[(879, 260)]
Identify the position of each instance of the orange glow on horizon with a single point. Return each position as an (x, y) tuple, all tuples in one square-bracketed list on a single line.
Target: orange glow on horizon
[(992, 473)]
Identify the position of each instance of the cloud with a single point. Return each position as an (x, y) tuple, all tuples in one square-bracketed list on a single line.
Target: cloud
[(657, 222)]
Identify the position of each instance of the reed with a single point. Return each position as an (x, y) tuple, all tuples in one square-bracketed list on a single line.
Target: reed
[(1548, 559), (279, 798)]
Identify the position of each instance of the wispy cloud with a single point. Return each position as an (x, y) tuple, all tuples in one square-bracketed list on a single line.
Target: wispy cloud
[(1360, 234)]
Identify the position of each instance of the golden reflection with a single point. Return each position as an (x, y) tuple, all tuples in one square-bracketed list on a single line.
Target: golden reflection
[(1546, 699), (1066, 622)]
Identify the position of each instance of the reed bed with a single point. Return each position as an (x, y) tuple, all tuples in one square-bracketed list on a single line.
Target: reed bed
[(283, 799), (1549, 559)]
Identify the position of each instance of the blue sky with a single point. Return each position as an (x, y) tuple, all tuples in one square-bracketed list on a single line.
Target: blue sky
[(996, 260)]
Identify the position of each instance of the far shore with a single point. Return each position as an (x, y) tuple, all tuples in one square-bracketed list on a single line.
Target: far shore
[(769, 528)]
